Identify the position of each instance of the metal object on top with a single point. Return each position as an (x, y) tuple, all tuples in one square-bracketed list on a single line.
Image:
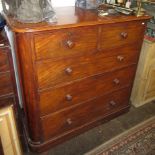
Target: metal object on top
[(88, 4)]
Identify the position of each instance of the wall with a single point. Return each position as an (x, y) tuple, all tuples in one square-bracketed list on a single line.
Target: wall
[(61, 3)]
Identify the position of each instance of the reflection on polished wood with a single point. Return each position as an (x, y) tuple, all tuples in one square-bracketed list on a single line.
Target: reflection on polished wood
[(71, 17)]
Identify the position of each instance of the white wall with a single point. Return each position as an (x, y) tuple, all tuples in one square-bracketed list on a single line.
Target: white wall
[(61, 3)]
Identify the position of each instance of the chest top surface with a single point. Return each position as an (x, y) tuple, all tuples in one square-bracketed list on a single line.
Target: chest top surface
[(71, 17)]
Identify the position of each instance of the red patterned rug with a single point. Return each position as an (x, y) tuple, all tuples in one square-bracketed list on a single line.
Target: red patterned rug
[(139, 140)]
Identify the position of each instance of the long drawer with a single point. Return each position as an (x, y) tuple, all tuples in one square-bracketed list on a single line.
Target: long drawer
[(51, 73), (6, 87), (68, 120), (58, 98), (66, 42)]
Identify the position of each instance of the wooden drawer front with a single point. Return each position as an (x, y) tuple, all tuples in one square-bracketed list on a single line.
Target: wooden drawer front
[(57, 98), (4, 64), (67, 42), (51, 73), (121, 34), (5, 84), (67, 120)]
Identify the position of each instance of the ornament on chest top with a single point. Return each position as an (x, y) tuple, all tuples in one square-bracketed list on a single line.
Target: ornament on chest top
[(31, 11), (88, 4)]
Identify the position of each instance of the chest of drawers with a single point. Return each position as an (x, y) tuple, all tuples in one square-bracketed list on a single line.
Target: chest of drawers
[(76, 73)]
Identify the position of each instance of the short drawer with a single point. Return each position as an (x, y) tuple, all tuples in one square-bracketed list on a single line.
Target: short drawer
[(120, 34), (4, 63), (54, 99), (69, 120), (5, 84), (66, 42), (51, 73)]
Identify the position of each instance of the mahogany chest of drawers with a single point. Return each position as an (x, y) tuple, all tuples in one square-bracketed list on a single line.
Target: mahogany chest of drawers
[(75, 73)]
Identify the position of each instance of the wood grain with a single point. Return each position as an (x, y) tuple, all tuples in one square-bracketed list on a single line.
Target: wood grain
[(112, 35), (100, 57), (54, 44), (28, 82), (7, 80), (6, 86), (84, 66), (52, 100), (67, 120), (4, 63)]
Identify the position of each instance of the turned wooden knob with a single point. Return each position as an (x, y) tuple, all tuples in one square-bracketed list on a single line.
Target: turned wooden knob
[(70, 44), (124, 35), (69, 121), (68, 70), (112, 103), (120, 58), (116, 81), (68, 97)]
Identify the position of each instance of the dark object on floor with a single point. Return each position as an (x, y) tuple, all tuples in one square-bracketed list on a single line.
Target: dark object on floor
[(139, 140)]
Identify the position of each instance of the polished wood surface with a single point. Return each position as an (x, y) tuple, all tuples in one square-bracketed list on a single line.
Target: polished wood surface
[(7, 89), (55, 99), (4, 64), (115, 35), (66, 42), (71, 17), (29, 84), (75, 73), (70, 69), (5, 84), (66, 121)]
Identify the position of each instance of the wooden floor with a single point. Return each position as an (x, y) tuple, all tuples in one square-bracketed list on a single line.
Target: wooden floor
[(94, 137)]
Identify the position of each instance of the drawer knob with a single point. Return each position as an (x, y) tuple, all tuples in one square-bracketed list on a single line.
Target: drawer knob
[(68, 97), (70, 44), (69, 121), (120, 58), (124, 35), (116, 81), (113, 103), (68, 70)]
